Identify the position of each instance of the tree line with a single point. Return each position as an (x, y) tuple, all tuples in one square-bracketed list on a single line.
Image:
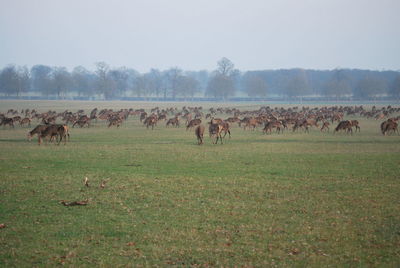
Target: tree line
[(222, 83)]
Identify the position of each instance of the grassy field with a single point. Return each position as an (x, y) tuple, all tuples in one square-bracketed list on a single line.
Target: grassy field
[(288, 200)]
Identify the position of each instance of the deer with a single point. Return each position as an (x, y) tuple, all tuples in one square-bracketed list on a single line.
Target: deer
[(199, 131)]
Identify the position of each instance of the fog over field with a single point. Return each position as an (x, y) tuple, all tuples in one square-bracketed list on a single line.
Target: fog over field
[(194, 35), (208, 50)]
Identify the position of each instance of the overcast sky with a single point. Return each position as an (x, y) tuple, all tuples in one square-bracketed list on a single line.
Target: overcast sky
[(194, 35)]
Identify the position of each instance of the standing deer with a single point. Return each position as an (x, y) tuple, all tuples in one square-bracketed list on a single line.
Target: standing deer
[(199, 131)]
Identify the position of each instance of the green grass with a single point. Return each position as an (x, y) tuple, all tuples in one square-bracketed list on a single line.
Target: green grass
[(295, 199)]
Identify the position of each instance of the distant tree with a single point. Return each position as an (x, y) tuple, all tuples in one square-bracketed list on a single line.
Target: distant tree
[(201, 77), (172, 77), (222, 83), (41, 79), (255, 86), (395, 88), (119, 80), (141, 86), (103, 81), (24, 80), (7, 80), (370, 87), (297, 85), (61, 81), (82, 81), (225, 67), (155, 80), (14, 80), (187, 86), (338, 85), (220, 86)]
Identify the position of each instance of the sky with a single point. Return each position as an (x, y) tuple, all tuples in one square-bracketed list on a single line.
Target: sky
[(195, 34)]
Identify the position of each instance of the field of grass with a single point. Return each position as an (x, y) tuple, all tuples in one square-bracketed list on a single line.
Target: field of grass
[(294, 199)]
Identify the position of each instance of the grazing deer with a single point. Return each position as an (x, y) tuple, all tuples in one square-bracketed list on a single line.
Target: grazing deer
[(17, 118), (233, 120), (249, 123), (325, 126), (272, 124), (193, 123), (26, 120), (150, 121), (36, 131), (344, 125), (82, 121), (93, 114), (115, 121), (7, 121), (173, 121), (57, 131), (143, 116), (388, 126)]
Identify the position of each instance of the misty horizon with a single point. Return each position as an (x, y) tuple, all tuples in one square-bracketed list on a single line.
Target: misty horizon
[(93, 68), (256, 35)]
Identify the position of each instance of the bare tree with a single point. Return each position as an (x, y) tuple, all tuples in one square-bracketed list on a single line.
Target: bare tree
[(141, 86), (61, 80), (370, 87), (103, 81), (225, 67), (119, 80), (14, 80), (187, 86), (156, 80), (222, 84), (41, 79), (255, 86), (297, 85), (395, 87), (338, 85), (82, 81), (173, 75)]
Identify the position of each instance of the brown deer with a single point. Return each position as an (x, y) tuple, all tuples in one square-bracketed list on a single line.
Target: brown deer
[(57, 131), (173, 122), (344, 125), (24, 121), (115, 121), (7, 121), (225, 128), (388, 126), (272, 124), (325, 126), (82, 121), (36, 131), (233, 120), (355, 123), (199, 131), (150, 121), (251, 123), (193, 123), (215, 131), (143, 116), (17, 118)]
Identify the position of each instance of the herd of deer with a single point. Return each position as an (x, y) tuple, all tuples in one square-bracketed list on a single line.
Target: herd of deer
[(278, 119)]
